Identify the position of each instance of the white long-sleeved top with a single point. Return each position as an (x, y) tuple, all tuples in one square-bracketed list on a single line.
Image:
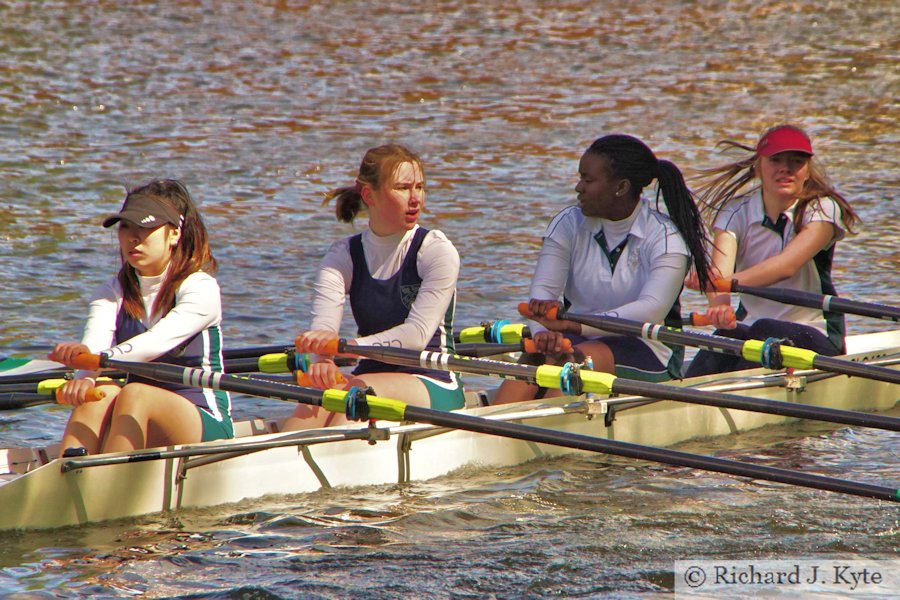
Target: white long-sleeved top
[(647, 279), (198, 306), (438, 266)]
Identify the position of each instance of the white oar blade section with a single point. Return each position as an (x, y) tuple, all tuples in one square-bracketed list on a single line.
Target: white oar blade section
[(14, 366)]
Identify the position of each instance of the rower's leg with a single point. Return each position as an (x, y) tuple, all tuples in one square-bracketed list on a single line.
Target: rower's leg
[(146, 416), (601, 355), (311, 417), (89, 423), (515, 391)]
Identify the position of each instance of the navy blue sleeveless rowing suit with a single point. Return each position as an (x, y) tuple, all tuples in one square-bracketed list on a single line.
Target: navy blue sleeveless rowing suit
[(379, 304), (203, 347)]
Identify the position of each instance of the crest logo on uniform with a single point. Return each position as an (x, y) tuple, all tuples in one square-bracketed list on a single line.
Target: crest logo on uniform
[(634, 258), (408, 294)]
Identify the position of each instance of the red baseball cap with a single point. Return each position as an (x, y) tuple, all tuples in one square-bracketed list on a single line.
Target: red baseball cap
[(785, 138)]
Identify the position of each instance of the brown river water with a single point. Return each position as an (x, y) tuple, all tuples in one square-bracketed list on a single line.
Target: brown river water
[(259, 107)]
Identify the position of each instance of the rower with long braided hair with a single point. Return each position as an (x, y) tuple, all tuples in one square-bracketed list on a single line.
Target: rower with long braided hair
[(615, 254)]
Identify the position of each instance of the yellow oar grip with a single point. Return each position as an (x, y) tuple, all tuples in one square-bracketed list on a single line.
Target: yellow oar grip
[(509, 334), (48, 386), (597, 382), (384, 409), (272, 363), (797, 358), (548, 376)]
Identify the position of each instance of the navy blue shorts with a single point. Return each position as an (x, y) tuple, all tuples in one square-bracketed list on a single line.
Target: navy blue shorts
[(634, 359)]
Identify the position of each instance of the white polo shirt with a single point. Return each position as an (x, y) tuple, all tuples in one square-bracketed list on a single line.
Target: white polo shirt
[(758, 238), (645, 283)]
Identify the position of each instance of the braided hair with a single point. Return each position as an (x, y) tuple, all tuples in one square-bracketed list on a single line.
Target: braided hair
[(631, 159)]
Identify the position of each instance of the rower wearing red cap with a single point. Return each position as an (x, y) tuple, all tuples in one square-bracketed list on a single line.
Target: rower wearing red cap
[(780, 232)]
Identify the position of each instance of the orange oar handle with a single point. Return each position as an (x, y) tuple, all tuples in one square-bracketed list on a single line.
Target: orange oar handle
[(330, 348), (724, 284), (86, 362), (92, 395), (523, 310), (304, 380), (699, 320), (702, 319), (528, 345)]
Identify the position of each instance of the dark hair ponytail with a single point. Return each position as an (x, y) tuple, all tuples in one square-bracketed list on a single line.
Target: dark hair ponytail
[(684, 212), (631, 159)]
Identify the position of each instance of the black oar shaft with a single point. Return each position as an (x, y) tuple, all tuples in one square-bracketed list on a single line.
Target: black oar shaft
[(848, 367), (823, 302), (662, 455), (449, 362), (705, 341), (17, 400), (220, 381), (477, 349), (35, 377), (774, 407), (255, 352), (198, 378), (717, 343), (441, 361), (250, 364)]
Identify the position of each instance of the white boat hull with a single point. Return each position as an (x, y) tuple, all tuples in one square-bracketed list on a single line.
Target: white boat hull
[(49, 496)]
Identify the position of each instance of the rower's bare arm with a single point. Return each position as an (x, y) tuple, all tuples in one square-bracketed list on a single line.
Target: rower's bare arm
[(810, 241)]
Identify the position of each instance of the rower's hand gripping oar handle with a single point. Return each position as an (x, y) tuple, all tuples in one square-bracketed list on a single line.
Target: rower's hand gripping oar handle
[(525, 312), (85, 362), (333, 347), (92, 395), (725, 284), (702, 320), (304, 380)]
